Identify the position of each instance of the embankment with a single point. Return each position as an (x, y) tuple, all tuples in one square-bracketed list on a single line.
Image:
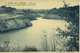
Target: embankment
[(13, 24), (51, 16)]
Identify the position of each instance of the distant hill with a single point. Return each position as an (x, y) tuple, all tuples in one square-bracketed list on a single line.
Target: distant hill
[(63, 12), (60, 10), (4, 9)]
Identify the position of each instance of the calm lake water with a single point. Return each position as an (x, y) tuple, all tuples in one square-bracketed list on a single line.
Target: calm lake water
[(31, 36)]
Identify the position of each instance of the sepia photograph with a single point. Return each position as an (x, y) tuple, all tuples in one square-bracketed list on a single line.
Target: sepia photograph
[(39, 26)]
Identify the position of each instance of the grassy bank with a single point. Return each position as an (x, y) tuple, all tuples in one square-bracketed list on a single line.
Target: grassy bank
[(51, 16), (7, 47)]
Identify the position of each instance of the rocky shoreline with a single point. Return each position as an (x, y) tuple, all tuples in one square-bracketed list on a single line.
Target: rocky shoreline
[(14, 24)]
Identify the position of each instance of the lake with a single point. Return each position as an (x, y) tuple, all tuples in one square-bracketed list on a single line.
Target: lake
[(31, 36)]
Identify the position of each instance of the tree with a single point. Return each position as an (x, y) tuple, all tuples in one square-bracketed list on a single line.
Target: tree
[(72, 17), (66, 5)]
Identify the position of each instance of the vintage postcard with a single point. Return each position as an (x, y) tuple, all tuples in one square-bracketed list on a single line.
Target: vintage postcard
[(44, 26)]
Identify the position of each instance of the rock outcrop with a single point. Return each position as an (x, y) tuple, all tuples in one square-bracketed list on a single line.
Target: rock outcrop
[(13, 24)]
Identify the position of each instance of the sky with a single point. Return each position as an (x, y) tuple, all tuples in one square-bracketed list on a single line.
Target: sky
[(37, 4)]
